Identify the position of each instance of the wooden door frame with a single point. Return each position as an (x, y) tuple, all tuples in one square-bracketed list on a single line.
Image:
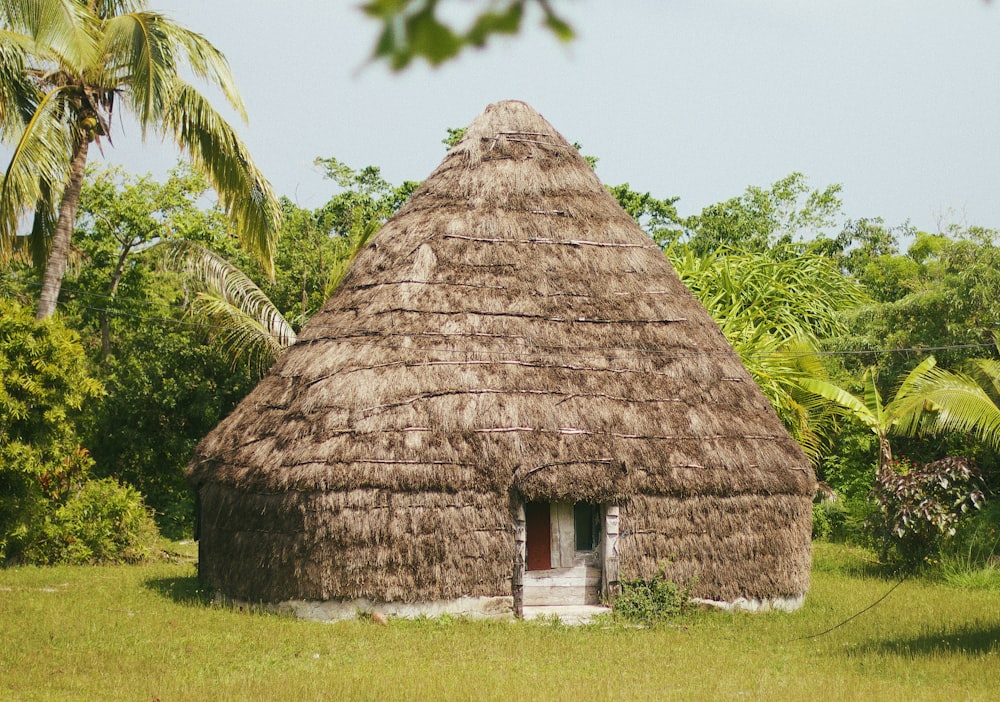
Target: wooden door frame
[(609, 559)]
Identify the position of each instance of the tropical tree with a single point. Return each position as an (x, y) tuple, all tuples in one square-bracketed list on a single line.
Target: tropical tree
[(64, 67), (900, 416), (761, 218)]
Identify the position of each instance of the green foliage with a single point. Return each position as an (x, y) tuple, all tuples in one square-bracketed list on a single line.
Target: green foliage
[(941, 293), (972, 557), (869, 251), (657, 217), (174, 389), (365, 197), (919, 507), (829, 520), (44, 386), (455, 135), (412, 29), (850, 467), (102, 523), (759, 219), (651, 600)]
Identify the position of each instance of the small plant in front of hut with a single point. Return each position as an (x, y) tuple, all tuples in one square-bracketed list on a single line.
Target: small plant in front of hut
[(651, 600), (918, 508)]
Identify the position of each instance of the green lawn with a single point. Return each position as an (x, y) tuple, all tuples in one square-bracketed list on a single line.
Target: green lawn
[(149, 633)]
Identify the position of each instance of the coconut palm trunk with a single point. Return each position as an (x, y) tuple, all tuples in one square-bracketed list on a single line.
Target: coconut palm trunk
[(55, 264)]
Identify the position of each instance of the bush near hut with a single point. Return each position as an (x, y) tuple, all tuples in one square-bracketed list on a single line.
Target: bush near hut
[(651, 600), (44, 384), (50, 509), (918, 508), (830, 520), (103, 523)]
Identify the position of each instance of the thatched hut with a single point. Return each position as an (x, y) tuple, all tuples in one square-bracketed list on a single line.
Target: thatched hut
[(511, 399)]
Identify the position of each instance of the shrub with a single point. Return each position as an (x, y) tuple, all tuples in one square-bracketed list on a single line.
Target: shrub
[(918, 508), (830, 520), (651, 600), (43, 385), (104, 522)]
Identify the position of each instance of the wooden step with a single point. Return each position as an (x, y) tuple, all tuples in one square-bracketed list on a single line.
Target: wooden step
[(579, 585)]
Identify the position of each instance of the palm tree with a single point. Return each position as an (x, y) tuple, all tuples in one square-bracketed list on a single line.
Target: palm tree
[(64, 67), (900, 416)]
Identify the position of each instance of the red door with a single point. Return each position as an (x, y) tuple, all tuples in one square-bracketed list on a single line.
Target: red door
[(538, 535)]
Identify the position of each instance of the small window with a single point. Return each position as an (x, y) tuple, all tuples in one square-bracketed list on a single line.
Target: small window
[(585, 518)]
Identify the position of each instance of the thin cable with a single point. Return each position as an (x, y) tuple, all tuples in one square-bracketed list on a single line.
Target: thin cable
[(550, 350), (853, 616)]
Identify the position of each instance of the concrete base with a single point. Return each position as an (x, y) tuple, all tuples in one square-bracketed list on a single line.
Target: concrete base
[(496, 608), (778, 604)]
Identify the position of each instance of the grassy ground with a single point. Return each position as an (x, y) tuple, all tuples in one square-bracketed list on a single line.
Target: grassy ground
[(150, 633)]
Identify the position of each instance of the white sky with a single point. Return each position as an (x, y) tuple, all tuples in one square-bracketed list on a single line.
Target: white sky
[(896, 100)]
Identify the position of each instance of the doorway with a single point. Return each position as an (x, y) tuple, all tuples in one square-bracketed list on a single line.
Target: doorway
[(562, 553)]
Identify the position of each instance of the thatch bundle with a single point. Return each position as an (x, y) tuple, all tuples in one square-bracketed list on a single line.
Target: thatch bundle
[(510, 334)]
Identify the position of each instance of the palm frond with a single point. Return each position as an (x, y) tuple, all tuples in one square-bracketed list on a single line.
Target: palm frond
[(206, 61), (873, 399), (986, 372), (954, 402), (215, 149), (139, 58), (911, 408), (248, 325), (851, 405), (106, 9), (38, 167), (61, 31), (18, 95)]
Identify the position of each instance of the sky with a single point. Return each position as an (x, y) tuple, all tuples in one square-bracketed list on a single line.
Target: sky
[(895, 100)]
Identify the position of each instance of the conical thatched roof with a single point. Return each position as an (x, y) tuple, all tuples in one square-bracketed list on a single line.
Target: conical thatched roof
[(510, 329)]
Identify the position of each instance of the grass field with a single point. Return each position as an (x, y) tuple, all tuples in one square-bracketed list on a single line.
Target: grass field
[(150, 633)]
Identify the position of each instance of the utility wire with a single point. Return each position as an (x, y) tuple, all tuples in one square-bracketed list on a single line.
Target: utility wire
[(553, 350), (853, 616)]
